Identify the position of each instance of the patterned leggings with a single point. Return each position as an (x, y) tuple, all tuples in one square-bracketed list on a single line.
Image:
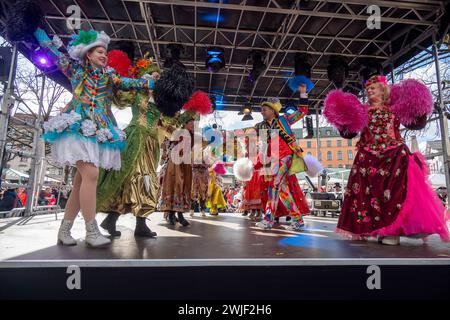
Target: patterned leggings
[(279, 189)]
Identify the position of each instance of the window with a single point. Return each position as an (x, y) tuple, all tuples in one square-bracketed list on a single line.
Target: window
[(309, 153), (339, 155), (320, 155), (328, 143), (350, 154), (320, 144), (308, 144), (329, 155), (349, 142), (340, 166), (23, 159), (330, 166), (339, 143), (348, 166)]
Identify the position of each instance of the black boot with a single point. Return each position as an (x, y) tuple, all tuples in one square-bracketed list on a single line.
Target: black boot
[(182, 220), (142, 230), (171, 218), (245, 213), (109, 224), (288, 218)]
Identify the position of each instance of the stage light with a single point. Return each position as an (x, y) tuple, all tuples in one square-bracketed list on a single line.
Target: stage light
[(290, 108), (212, 17), (215, 59), (247, 112), (337, 70), (173, 53), (41, 59), (256, 57)]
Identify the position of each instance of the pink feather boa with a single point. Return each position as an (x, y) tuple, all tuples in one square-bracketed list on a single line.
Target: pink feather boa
[(410, 99), (345, 111)]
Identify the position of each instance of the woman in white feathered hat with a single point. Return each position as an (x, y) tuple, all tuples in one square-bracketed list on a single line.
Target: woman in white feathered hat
[(85, 134)]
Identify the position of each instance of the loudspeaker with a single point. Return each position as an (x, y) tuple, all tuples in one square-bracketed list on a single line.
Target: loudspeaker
[(5, 62), (309, 128)]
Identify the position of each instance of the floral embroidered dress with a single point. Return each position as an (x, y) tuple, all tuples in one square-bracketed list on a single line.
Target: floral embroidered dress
[(388, 193), (85, 130)]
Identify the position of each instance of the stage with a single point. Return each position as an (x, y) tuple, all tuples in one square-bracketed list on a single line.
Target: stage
[(219, 253)]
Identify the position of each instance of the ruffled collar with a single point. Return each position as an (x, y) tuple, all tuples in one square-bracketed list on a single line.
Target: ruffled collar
[(95, 72)]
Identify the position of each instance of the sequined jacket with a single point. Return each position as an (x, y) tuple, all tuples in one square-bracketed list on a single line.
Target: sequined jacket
[(87, 115)]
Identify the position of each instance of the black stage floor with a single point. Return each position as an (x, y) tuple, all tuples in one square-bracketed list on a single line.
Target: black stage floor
[(227, 236), (222, 257)]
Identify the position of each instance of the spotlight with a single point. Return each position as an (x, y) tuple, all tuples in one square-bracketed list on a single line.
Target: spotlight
[(247, 112), (290, 107), (42, 59), (215, 59), (173, 53), (256, 57), (337, 70)]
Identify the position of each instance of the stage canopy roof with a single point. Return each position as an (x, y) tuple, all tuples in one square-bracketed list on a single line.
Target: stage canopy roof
[(279, 28)]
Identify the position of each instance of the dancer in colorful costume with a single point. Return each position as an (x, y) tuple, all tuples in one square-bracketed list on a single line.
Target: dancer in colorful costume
[(134, 188), (216, 200), (84, 134), (282, 185), (175, 176), (200, 182), (388, 194)]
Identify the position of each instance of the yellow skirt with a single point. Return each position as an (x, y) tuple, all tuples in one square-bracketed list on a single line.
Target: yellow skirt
[(216, 200)]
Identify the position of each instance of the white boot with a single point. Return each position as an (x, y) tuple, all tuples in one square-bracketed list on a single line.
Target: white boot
[(192, 213), (392, 241), (203, 213), (64, 236), (93, 236), (372, 239)]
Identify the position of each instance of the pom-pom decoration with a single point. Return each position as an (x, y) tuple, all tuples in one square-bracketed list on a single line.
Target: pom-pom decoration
[(119, 61), (243, 169), (22, 20), (199, 102), (345, 112), (219, 167), (410, 100), (173, 90), (313, 165)]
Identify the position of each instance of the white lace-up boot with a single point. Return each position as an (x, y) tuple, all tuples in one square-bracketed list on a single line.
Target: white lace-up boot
[(64, 236), (93, 236)]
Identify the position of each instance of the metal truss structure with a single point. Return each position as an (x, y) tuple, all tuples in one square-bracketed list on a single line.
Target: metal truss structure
[(280, 28)]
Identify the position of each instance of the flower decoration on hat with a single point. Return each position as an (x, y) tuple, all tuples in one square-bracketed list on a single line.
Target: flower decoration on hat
[(82, 42)]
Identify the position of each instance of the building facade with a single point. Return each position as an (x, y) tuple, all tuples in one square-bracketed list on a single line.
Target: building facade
[(334, 151)]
